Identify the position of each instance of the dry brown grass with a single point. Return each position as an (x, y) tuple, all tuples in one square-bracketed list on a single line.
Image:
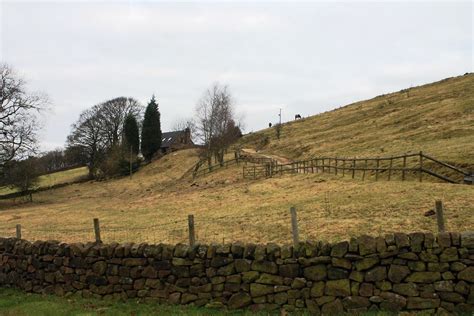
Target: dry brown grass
[(153, 207), (437, 119)]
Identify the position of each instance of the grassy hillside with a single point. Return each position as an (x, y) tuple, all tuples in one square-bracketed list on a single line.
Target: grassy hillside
[(49, 180), (436, 118), (154, 205)]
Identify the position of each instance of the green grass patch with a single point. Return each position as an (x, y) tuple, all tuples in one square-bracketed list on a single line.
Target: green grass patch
[(17, 303), (52, 179)]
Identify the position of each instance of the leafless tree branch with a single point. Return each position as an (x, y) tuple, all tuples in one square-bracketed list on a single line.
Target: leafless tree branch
[(18, 116)]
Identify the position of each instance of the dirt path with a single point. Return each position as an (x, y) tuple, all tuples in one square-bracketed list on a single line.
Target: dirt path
[(281, 160)]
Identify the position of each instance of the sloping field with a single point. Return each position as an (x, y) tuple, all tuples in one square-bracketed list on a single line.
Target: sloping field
[(436, 118), (55, 178), (154, 206)]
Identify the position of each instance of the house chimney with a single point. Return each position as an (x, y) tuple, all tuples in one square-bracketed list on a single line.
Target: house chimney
[(187, 136)]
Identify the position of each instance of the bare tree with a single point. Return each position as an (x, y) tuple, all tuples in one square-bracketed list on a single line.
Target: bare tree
[(112, 115), (99, 129), (221, 142), (215, 117), (18, 117), (59, 159), (75, 156), (51, 161), (182, 124), (22, 175), (88, 136)]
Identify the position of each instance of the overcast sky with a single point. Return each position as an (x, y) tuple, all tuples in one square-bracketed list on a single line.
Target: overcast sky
[(305, 57)]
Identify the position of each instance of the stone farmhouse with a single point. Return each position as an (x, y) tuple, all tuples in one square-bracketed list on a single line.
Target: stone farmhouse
[(171, 141)]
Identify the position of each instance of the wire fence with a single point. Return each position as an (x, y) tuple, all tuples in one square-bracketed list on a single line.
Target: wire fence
[(207, 229)]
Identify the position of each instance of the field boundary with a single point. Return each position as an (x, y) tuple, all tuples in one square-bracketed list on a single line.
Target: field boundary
[(406, 165), (41, 189), (364, 274), (200, 169)]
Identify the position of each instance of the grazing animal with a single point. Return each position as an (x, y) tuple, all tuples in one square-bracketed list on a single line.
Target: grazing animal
[(297, 117), (269, 124)]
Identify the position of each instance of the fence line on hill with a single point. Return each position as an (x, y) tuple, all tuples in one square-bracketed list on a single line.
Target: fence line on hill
[(212, 168), (192, 230), (407, 164), (200, 168)]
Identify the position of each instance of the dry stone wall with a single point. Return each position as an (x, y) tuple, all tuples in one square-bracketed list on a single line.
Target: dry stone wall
[(413, 272)]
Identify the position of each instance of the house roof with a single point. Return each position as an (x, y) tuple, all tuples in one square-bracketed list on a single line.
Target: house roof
[(169, 138)]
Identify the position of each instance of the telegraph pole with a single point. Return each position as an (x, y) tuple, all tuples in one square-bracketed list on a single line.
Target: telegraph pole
[(280, 116)]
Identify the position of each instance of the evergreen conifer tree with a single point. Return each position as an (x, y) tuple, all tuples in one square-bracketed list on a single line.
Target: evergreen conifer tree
[(151, 130)]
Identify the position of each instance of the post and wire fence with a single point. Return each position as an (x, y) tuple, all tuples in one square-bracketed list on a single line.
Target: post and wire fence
[(193, 232), (407, 166)]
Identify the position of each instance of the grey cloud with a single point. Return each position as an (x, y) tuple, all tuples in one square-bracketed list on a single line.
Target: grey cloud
[(305, 57)]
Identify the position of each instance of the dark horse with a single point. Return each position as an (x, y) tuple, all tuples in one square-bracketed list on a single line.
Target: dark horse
[(297, 117)]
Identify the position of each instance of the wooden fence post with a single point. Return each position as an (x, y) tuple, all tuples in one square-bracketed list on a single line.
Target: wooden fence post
[(377, 170), (421, 167), (353, 168), (335, 166), (404, 167), (97, 230), (390, 168), (365, 169), (440, 216), (322, 164), (192, 238), (294, 226), (18, 231)]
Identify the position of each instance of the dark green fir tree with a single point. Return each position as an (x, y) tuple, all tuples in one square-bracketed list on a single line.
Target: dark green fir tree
[(151, 130)]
